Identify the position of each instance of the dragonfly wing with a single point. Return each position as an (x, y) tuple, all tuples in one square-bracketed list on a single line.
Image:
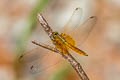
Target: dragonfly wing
[(44, 63), (73, 21), (81, 32), (37, 60), (31, 55)]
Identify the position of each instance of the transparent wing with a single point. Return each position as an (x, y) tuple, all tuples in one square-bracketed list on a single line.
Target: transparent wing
[(77, 31), (81, 32), (38, 60), (73, 21)]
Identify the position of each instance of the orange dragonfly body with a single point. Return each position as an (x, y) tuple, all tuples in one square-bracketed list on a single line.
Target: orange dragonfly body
[(63, 42)]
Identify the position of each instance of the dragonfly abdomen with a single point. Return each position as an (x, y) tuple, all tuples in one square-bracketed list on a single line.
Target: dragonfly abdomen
[(79, 51)]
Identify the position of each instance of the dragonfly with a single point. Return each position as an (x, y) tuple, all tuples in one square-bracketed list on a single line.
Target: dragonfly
[(73, 32)]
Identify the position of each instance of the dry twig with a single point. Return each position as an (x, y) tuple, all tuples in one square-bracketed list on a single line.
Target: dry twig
[(76, 65)]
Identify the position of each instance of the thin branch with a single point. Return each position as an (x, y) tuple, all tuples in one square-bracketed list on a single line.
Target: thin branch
[(45, 46), (76, 65)]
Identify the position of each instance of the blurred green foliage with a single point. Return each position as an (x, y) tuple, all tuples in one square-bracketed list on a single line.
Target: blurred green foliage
[(31, 24)]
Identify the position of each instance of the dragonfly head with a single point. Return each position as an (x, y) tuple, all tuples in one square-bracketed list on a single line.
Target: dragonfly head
[(55, 34)]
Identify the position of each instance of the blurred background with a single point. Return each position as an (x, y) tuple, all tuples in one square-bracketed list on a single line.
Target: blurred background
[(18, 26)]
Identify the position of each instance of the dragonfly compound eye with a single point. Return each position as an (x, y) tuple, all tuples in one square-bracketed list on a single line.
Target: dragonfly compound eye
[(55, 33)]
